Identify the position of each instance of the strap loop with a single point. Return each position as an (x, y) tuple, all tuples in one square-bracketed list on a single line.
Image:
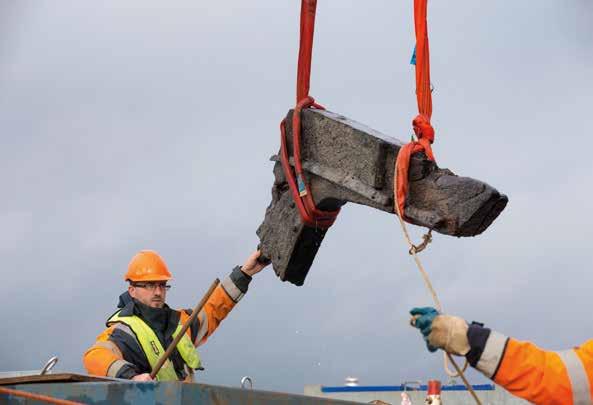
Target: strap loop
[(421, 124), (297, 181)]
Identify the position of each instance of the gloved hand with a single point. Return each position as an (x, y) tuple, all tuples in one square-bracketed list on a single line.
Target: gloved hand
[(441, 331)]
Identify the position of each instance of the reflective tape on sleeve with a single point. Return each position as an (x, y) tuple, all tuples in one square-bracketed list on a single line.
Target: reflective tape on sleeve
[(492, 354), (115, 367), (109, 346), (125, 328), (581, 394), (231, 289)]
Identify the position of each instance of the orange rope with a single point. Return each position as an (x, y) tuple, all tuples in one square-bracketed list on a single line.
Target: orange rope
[(38, 397)]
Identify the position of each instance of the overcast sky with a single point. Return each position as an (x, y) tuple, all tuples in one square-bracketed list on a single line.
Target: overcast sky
[(128, 125)]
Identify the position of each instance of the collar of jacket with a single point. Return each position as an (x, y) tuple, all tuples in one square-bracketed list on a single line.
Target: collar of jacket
[(167, 323)]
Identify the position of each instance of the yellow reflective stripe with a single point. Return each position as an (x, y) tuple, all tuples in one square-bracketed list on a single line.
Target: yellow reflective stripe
[(150, 345), (581, 395), (186, 349)]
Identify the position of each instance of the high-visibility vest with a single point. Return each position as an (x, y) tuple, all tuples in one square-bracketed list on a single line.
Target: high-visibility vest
[(153, 349)]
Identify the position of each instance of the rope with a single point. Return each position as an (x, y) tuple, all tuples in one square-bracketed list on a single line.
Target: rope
[(413, 251), (425, 137), (38, 397)]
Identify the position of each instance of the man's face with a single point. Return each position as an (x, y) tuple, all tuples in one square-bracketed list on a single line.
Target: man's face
[(151, 293)]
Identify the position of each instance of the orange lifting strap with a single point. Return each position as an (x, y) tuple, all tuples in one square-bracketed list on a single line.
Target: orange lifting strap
[(423, 130), (301, 192), (421, 124)]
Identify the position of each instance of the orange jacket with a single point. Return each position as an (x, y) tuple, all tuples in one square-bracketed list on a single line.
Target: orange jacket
[(117, 353), (525, 370)]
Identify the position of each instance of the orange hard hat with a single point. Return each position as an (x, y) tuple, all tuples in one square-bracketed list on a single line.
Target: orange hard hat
[(147, 265)]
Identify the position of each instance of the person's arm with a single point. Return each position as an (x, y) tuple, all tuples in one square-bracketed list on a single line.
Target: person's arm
[(224, 298), (105, 357), (527, 371), (522, 368)]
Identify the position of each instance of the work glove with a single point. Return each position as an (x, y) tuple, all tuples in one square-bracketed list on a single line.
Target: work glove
[(441, 331)]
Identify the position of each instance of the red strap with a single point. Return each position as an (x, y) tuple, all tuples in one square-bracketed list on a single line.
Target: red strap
[(301, 191), (308, 9), (421, 124), (423, 93)]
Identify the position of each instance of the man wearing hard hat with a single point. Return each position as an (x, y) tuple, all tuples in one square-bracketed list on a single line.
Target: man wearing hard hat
[(144, 325)]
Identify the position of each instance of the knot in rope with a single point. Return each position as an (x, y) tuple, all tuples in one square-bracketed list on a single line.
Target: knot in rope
[(422, 128)]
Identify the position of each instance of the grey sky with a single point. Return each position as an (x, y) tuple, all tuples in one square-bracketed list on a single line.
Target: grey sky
[(144, 124)]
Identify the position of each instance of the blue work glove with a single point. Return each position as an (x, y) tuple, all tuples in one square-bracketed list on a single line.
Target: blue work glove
[(422, 319)]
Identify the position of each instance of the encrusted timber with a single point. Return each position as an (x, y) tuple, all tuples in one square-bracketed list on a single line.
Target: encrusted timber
[(346, 161)]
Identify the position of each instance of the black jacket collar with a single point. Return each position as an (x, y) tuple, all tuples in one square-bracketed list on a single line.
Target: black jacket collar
[(129, 307), (126, 303)]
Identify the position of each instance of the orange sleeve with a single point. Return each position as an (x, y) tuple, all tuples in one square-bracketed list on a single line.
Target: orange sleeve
[(222, 301), (537, 375), (99, 358), (218, 306)]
